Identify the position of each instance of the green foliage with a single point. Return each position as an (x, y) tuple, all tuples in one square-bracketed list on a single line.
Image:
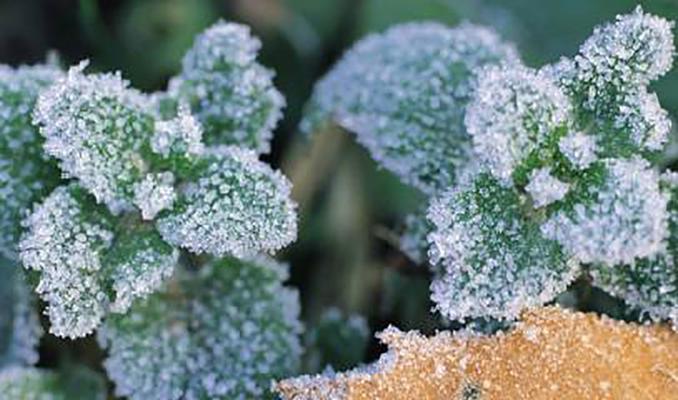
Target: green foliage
[(38, 384), (222, 332), (338, 341)]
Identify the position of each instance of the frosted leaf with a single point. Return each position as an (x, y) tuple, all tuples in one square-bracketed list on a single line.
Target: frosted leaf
[(544, 188), (96, 126), (622, 218), (635, 49), (514, 112), (231, 95), (25, 174), (579, 148), (337, 341), (237, 206), (491, 261), (413, 240), (649, 284), (406, 102), (18, 383), (642, 116), (138, 264), (20, 328), (223, 332), (180, 136), (154, 194), (64, 238)]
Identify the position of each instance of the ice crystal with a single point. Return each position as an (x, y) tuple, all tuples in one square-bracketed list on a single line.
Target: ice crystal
[(20, 328), (230, 93), (223, 332), (492, 261), (86, 267), (619, 220), (579, 148), (154, 194), (25, 174), (544, 188), (238, 206), (514, 112), (95, 125), (406, 102), (17, 383)]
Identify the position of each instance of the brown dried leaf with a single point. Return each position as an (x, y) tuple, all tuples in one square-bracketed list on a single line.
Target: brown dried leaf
[(551, 354)]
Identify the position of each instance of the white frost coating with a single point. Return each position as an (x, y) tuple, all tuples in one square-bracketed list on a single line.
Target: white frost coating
[(230, 93), (95, 125), (406, 102), (224, 332), (647, 122), (142, 275), (513, 112), (20, 328), (626, 220), (544, 188), (25, 176), (238, 206), (634, 50), (182, 135), (579, 148), (490, 261), (65, 248), (154, 194)]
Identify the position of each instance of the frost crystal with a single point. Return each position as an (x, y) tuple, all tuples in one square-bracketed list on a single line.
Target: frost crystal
[(544, 188), (230, 93), (18, 383), (642, 116), (96, 125), (620, 219), (25, 174), (579, 148), (20, 328), (181, 135), (63, 242), (238, 206), (492, 261), (406, 102), (223, 332), (514, 112), (154, 194)]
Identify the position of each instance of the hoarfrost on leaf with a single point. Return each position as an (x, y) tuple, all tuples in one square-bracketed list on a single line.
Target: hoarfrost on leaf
[(18, 383), (618, 220), (97, 126), (20, 328), (579, 148), (231, 94), (406, 102), (490, 260), (63, 242), (515, 111), (223, 332), (180, 136), (544, 188), (238, 206), (25, 173), (154, 194)]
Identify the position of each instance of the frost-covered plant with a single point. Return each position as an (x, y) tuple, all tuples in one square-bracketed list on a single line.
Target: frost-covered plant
[(157, 223), (536, 176)]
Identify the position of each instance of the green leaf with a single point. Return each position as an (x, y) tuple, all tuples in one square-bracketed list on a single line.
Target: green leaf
[(222, 332), (238, 205), (20, 328), (406, 103), (231, 94), (25, 173), (18, 383), (490, 260)]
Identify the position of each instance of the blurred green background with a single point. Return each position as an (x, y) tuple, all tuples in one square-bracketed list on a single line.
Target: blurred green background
[(345, 255)]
